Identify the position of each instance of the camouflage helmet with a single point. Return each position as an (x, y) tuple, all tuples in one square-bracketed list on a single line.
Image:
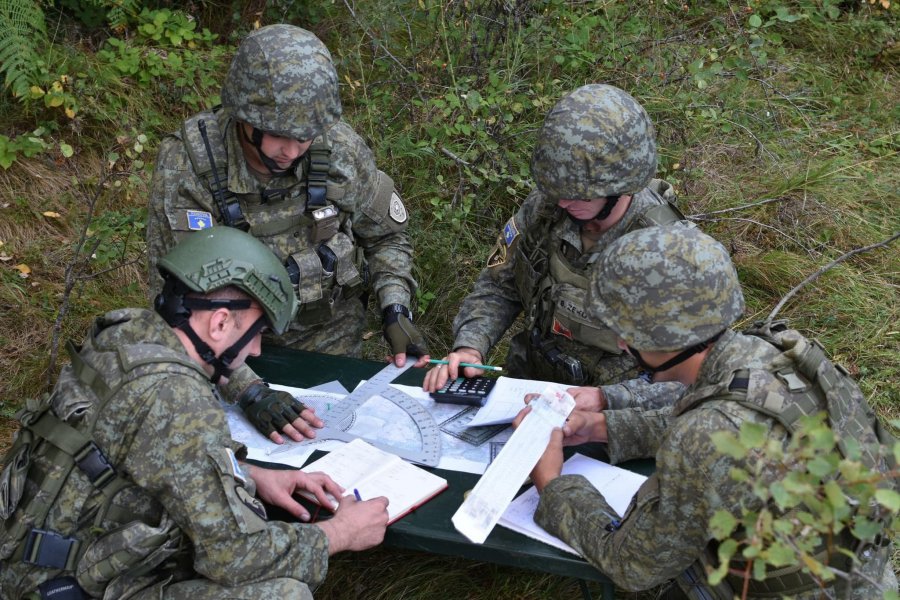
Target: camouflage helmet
[(665, 288), (210, 259), (596, 142), (282, 81)]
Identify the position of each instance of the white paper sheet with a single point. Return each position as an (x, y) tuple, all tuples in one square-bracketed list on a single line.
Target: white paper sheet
[(480, 512), (507, 398), (617, 485)]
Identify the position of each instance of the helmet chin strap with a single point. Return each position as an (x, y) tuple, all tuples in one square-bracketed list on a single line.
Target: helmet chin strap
[(175, 308), (256, 141), (676, 360), (222, 364), (607, 209)]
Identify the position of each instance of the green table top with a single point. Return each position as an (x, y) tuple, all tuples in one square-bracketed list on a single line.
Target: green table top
[(429, 528)]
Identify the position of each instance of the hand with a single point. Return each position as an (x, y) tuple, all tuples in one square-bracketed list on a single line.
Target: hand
[(438, 376), (356, 525), (277, 487), (550, 464), (403, 336), (584, 426), (581, 426), (588, 398), (270, 410)]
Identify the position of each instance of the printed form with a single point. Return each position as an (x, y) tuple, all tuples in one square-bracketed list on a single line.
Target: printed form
[(480, 512)]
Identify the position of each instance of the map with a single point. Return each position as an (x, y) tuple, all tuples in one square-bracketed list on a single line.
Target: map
[(380, 420)]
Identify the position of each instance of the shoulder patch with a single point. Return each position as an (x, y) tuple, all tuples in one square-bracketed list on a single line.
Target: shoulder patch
[(252, 504), (510, 232), (198, 220), (397, 211), (236, 470)]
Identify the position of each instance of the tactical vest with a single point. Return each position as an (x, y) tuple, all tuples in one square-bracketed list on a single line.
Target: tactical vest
[(331, 266), (58, 490), (814, 384), (565, 342)]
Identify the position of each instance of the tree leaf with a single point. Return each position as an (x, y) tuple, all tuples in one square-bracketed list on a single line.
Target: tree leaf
[(722, 524), (888, 499), (66, 149), (727, 443), (753, 435)]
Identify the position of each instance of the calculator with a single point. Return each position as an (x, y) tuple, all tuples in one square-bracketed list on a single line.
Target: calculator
[(472, 391)]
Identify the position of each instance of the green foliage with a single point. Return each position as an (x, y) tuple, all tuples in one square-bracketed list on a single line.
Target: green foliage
[(24, 145), (816, 494), (22, 32)]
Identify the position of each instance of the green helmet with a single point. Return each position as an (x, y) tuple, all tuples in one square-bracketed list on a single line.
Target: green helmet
[(665, 288), (213, 258), (596, 142), (282, 81)]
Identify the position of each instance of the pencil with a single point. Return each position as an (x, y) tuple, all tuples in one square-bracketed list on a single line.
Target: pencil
[(435, 361)]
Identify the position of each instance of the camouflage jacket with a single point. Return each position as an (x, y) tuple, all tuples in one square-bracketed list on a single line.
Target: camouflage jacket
[(666, 527), (167, 433), (368, 221), (552, 297)]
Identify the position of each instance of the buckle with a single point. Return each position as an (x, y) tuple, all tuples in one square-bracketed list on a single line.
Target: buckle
[(94, 464), (573, 367), (47, 549)]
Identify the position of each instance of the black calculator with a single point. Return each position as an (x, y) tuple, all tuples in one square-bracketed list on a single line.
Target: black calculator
[(465, 390)]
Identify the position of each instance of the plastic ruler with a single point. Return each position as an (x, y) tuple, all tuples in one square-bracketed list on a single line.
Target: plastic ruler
[(340, 418)]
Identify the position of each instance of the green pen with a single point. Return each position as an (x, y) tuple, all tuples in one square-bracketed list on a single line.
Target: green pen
[(435, 361)]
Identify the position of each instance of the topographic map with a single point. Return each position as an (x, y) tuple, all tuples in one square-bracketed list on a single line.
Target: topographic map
[(467, 449)]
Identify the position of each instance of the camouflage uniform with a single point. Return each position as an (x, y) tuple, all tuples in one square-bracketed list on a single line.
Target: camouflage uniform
[(596, 142), (508, 286), (166, 432), (370, 244), (667, 525), (673, 290)]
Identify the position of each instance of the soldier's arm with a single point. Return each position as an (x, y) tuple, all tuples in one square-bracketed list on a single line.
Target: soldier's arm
[(379, 217), (494, 302), (639, 393), (174, 189), (181, 457), (666, 526)]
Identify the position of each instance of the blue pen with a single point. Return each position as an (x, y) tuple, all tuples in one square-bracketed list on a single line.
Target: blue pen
[(356, 493)]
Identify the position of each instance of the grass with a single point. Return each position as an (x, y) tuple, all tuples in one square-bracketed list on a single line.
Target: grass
[(450, 97)]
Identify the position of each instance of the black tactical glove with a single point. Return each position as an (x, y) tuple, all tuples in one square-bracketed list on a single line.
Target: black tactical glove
[(400, 333), (269, 410)]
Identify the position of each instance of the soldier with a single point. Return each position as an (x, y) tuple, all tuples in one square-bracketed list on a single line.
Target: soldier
[(276, 160), (670, 294), (593, 166), (125, 480)]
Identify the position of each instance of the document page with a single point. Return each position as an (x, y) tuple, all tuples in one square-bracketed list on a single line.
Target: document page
[(617, 485), (492, 494), (508, 398), (372, 472)]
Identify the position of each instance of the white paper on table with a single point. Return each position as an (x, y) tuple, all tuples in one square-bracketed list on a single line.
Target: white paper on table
[(507, 398), (617, 485), (495, 489), (378, 419)]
